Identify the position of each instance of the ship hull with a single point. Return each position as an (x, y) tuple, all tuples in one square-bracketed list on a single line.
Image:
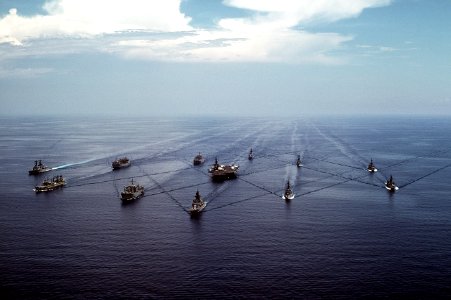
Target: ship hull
[(288, 197), (223, 172), (198, 162), (121, 166), (197, 211), (125, 197), (37, 172), (223, 176), (391, 188), (43, 189)]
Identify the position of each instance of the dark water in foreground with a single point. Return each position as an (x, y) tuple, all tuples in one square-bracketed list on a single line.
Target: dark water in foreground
[(342, 236)]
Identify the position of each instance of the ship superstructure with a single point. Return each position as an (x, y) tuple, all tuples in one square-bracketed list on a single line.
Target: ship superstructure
[(371, 167), (120, 163), (38, 168), (50, 185), (288, 193), (198, 204), (390, 185), (223, 172), (132, 192), (198, 159)]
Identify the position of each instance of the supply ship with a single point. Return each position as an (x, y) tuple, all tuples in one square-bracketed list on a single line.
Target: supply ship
[(132, 192), (50, 185)]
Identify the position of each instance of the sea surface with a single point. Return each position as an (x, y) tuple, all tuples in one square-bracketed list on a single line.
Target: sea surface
[(343, 236)]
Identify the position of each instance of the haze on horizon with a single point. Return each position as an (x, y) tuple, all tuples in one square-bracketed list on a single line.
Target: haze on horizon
[(229, 57)]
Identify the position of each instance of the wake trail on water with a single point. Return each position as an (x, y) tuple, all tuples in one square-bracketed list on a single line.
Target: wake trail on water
[(237, 151), (136, 161), (163, 189), (343, 147), (432, 154), (74, 164), (290, 174), (429, 155), (259, 141), (213, 195), (173, 189), (116, 188), (76, 184), (133, 149), (236, 202), (424, 176), (103, 171)]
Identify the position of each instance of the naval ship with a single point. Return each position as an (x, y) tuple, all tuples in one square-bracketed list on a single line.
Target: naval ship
[(198, 159), (299, 162), (371, 167), (223, 172), (50, 185), (198, 205), (288, 194), (38, 168), (120, 163), (390, 185), (132, 192), (251, 155)]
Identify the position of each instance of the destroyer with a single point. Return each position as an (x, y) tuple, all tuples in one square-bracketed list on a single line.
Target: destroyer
[(38, 168), (198, 205), (288, 194), (223, 172), (251, 155), (198, 159), (121, 163), (371, 167), (132, 192), (50, 185), (299, 162), (390, 185)]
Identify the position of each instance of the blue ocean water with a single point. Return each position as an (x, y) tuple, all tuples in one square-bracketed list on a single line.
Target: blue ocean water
[(343, 235)]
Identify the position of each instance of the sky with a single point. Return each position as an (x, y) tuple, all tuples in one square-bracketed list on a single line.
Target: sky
[(225, 57)]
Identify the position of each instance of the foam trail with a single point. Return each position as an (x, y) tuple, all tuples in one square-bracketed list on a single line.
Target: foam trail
[(73, 164), (289, 172)]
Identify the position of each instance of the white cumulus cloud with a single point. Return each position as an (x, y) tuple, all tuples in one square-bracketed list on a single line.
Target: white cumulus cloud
[(271, 33), (297, 11), (86, 18), (267, 35)]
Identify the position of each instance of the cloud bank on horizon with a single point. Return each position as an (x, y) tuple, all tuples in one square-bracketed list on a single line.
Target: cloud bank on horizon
[(159, 30)]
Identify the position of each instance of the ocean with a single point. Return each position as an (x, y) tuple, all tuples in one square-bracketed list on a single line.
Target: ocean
[(343, 236)]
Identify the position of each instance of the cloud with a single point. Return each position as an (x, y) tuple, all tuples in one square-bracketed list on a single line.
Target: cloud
[(229, 46), (384, 51), (267, 35), (24, 72), (302, 11), (87, 18), (270, 34)]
